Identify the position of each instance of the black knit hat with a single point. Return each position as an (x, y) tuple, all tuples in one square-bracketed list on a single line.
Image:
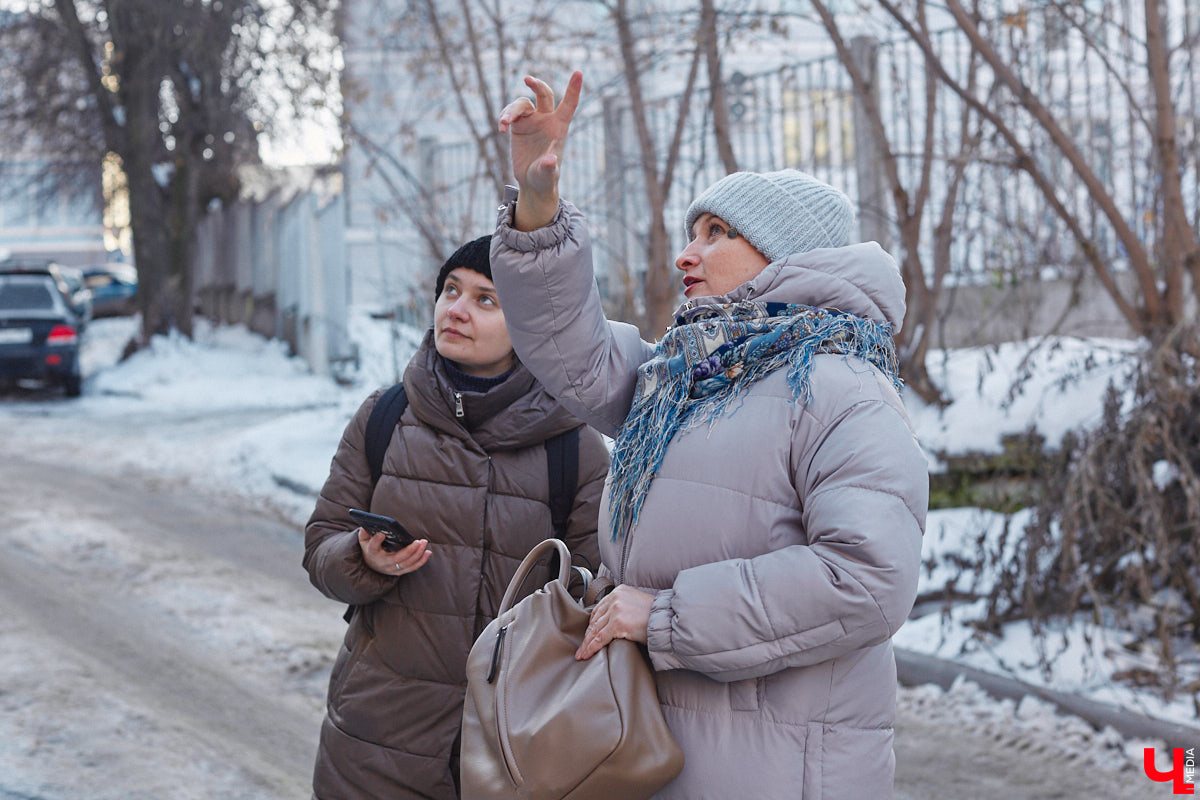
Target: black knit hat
[(473, 255)]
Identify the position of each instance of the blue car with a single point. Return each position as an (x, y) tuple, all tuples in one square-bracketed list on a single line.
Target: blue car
[(114, 289), (39, 331)]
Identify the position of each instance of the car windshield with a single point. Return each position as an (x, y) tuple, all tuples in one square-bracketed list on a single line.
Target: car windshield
[(25, 295)]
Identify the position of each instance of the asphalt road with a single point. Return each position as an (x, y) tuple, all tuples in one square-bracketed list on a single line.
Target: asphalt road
[(257, 729)]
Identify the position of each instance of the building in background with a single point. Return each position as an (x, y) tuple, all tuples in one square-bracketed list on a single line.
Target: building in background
[(45, 216)]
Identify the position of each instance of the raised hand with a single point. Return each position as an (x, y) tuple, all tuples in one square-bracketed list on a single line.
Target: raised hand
[(537, 135)]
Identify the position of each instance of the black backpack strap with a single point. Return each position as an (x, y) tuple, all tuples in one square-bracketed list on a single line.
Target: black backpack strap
[(562, 465), (383, 420), (384, 417)]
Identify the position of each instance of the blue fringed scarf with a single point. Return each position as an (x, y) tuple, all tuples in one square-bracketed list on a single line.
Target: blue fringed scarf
[(711, 356)]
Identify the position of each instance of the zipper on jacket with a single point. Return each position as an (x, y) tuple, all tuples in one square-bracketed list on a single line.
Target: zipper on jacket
[(624, 553), (491, 676), (458, 405), (483, 545)]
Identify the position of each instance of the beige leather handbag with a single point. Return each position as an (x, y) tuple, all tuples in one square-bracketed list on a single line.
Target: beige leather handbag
[(539, 724)]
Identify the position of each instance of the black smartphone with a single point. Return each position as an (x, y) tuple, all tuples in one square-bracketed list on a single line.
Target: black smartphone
[(395, 535)]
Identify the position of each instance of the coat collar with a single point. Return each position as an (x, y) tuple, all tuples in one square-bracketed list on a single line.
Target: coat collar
[(517, 413)]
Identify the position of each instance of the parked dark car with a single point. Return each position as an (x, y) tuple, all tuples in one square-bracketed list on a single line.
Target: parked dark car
[(113, 287), (39, 332), (69, 281)]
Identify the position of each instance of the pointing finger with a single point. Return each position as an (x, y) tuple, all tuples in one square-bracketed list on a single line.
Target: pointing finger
[(570, 99)]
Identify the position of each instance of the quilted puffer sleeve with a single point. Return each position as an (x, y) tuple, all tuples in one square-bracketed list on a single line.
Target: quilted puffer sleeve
[(862, 485), (556, 321), (331, 553)]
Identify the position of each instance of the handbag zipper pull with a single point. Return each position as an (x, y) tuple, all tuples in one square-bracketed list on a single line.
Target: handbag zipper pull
[(491, 676)]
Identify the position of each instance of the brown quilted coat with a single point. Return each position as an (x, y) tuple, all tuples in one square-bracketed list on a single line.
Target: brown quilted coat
[(477, 488)]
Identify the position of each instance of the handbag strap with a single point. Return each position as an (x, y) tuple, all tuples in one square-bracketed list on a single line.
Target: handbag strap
[(539, 550), (596, 589), (586, 576)]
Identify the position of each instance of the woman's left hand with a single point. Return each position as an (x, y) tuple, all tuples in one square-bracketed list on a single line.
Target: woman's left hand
[(622, 614)]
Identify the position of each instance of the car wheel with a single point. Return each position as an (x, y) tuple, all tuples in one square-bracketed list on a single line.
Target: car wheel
[(73, 384)]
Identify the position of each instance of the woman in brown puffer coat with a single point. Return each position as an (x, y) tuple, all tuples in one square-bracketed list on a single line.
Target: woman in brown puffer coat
[(466, 474)]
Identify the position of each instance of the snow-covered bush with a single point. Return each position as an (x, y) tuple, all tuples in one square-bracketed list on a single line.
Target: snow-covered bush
[(1116, 531)]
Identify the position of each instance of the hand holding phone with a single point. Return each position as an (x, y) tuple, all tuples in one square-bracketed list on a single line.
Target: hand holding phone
[(395, 536)]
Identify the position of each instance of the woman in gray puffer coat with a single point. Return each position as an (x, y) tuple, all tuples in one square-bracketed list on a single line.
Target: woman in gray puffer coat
[(466, 473), (767, 498)]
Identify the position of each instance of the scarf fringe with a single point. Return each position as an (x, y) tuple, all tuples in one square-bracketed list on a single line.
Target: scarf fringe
[(672, 405)]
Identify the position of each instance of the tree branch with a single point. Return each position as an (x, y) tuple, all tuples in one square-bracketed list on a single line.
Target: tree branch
[(1024, 160), (443, 47), (1029, 101), (114, 132)]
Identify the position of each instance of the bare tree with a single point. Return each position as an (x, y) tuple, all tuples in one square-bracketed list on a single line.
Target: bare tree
[(659, 157), (178, 91), (1155, 304), (709, 45), (923, 281), (1114, 532), (461, 61), (468, 58), (660, 292)]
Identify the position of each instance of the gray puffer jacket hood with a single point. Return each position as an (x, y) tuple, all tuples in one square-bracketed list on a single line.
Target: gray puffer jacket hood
[(860, 278), (781, 542)]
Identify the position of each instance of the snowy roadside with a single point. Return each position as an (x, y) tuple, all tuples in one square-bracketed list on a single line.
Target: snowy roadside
[(231, 412)]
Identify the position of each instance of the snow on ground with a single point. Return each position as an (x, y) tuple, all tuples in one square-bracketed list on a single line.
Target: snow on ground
[(1084, 655), (1010, 388), (274, 427)]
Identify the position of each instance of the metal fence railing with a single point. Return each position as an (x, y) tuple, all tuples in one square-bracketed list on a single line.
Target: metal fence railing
[(283, 266), (278, 266), (1084, 60)]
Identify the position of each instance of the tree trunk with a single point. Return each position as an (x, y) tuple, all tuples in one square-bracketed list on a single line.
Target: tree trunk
[(1178, 240), (716, 86), (184, 213), (920, 298), (148, 211), (1028, 100), (147, 219), (661, 290), (916, 373)]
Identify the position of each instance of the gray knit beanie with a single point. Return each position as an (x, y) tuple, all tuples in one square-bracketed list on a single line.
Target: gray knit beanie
[(780, 213)]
